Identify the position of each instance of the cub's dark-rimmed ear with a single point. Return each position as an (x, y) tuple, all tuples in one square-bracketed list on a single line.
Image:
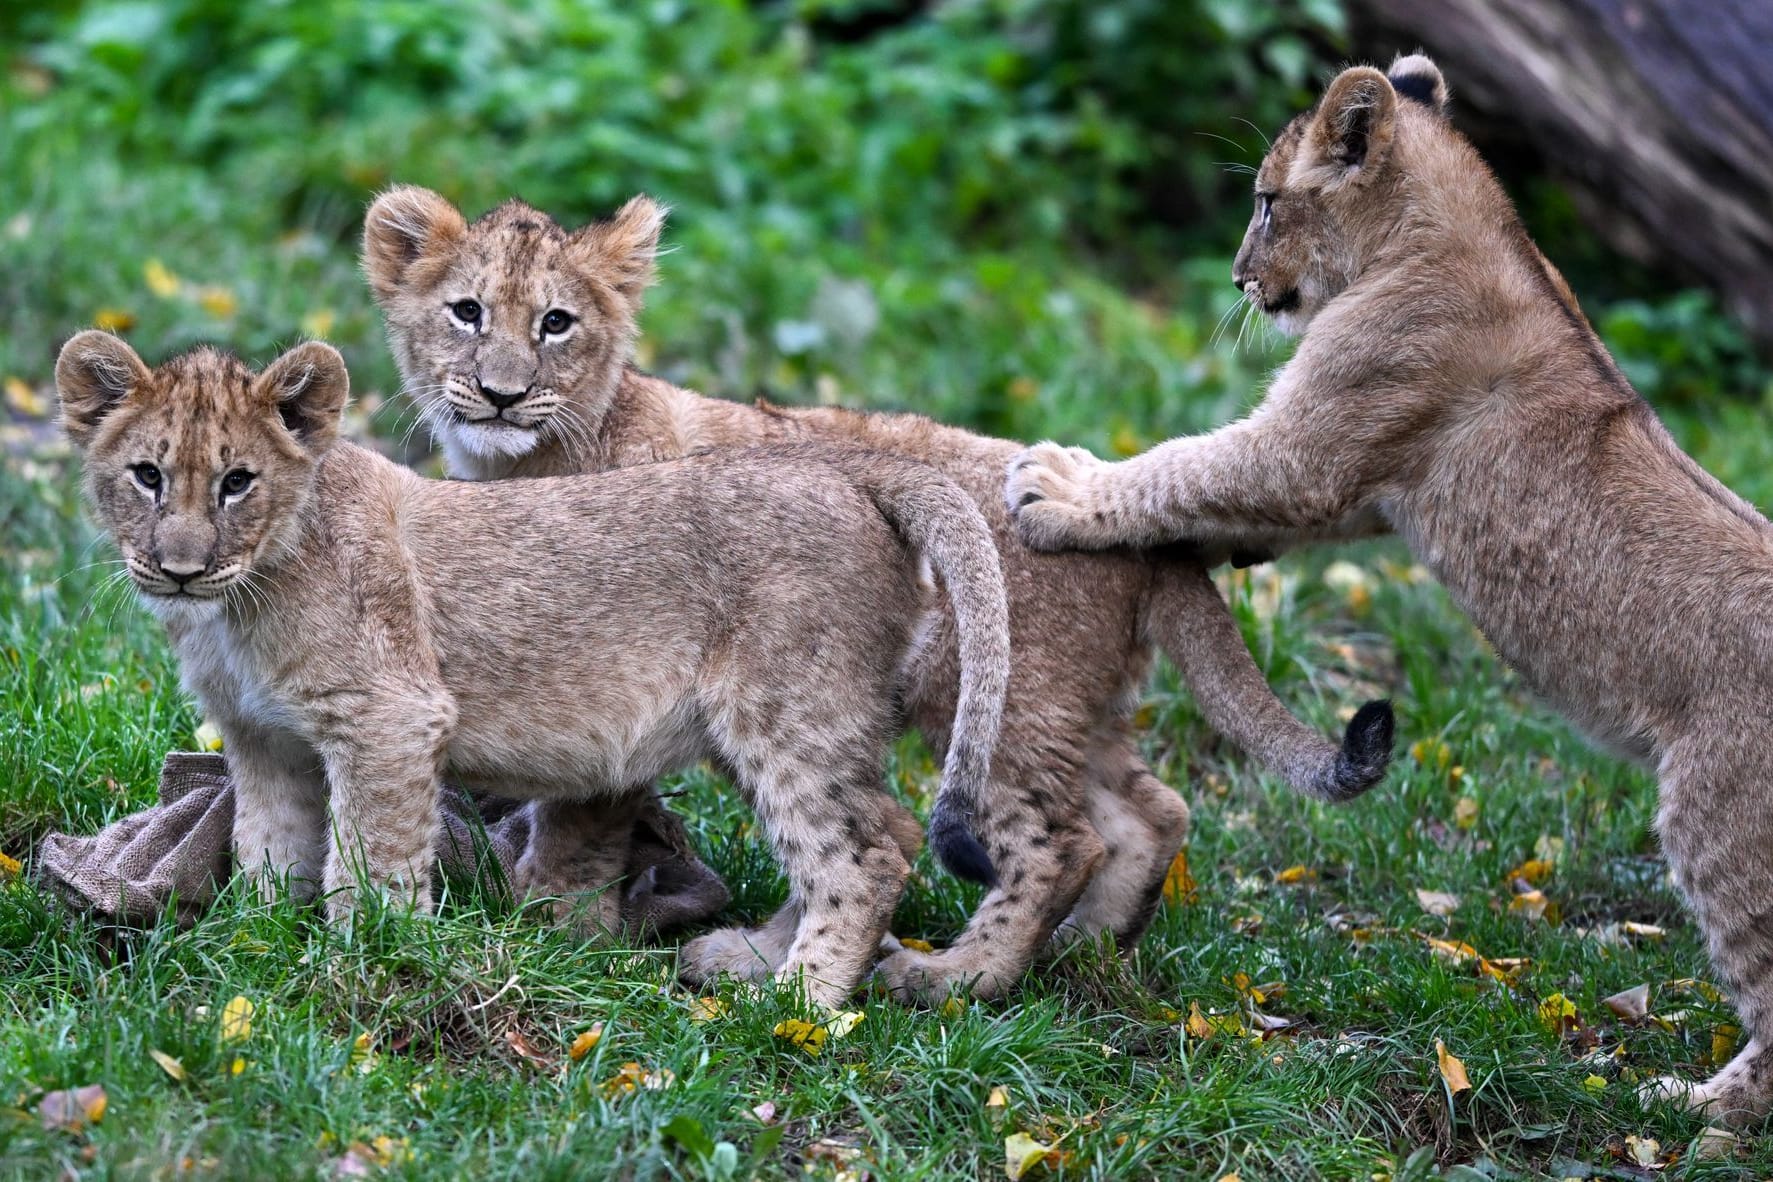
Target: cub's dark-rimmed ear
[(404, 227), (309, 387), (1350, 136), (93, 375), (1415, 76), (622, 249)]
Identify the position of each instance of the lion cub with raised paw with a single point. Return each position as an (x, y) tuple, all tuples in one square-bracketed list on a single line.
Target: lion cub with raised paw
[(1448, 388), (517, 335), (358, 632)]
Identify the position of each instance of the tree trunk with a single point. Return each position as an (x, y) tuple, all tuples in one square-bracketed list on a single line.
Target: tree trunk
[(1657, 115)]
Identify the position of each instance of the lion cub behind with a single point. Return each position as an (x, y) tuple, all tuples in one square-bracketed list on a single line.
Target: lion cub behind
[(358, 632)]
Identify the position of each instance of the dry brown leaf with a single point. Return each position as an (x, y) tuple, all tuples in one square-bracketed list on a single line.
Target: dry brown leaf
[(515, 1040), (1179, 886), (765, 1113), (73, 1109), (1644, 1151), (1452, 1070), (1631, 1004)]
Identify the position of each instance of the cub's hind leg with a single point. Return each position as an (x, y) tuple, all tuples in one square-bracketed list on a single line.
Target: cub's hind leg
[(756, 953), (1045, 851), (1143, 824), (1716, 823)]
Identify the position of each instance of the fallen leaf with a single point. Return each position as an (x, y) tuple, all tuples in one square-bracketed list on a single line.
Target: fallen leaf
[(632, 1077), (999, 1098), (1534, 905), (953, 1007), (1451, 951), (1631, 1004), (765, 1113), (363, 1056), (10, 867), (1437, 902), (237, 1066), (26, 401), (1644, 1151), (1643, 931), (844, 1021), (1549, 849), (1595, 1084), (1557, 1014), (1432, 753), (808, 1036), (1723, 1044), (1293, 875), (916, 945), (1506, 969), (1179, 885), (1465, 812), (1022, 1153), (515, 1040), (1533, 871), (1452, 1070), (587, 1041), (161, 281), (168, 1064), (74, 1109), (237, 1020), (1203, 1025), (364, 1158)]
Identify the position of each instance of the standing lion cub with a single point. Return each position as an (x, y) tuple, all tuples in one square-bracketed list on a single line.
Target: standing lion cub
[(516, 337), (1448, 388), (358, 632)]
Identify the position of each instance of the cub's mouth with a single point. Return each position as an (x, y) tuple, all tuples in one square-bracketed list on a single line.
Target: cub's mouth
[(1286, 301)]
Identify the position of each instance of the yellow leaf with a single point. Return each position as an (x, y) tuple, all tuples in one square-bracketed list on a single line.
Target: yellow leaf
[(954, 1007), (1723, 1044), (808, 1036), (26, 401), (1465, 812), (1557, 1014), (218, 302), (10, 867), (1022, 1153), (74, 1109), (916, 945), (1595, 1084), (1451, 951), (161, 281), (998, 1098), (237, 1066), (1504, 968), (318, 323), (1549, 849), (586, 1042), (632, 1076), (113, 319), (237, 1020), (1533, 871), (1643, 931), (363, 1056), (209, 736), (168, 1064), (1202, 1025), (707, 1009), (1452, 1070), (1535, 906), (1432, 754), (841, 1023), (1232, 1177), (1295, 874), (1643, 1151), (1125, 441), (1179, 886)]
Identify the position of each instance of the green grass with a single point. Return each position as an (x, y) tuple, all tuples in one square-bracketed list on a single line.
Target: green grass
[(979, 216)]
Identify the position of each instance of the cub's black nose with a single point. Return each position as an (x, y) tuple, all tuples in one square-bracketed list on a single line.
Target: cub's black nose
[(500, 399)]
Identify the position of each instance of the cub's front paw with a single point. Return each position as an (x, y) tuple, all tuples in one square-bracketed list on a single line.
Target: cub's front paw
[(931, 978), (1056, 499), (735, 952)]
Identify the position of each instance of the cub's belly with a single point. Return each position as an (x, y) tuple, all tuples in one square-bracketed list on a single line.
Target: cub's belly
[(567, 753)]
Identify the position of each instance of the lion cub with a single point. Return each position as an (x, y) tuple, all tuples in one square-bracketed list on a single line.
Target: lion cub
[(358, 632), (1448, 388)]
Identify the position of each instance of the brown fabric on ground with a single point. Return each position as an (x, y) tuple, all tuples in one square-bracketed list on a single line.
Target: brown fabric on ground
[(177, 853)]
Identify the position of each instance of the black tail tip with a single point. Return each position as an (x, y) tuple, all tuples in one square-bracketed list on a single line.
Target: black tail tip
[(960, 852), (1366, 749)]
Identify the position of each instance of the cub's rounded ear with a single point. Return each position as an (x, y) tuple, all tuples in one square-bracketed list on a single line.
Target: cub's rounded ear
[(407, 225), (1415, 76), (309, 386), (93, 375), (622, 248), (1350, 137)]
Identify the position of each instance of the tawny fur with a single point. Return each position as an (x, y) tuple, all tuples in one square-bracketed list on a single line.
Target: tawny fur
[(1448, 388), (1080, 831), (357, 632)]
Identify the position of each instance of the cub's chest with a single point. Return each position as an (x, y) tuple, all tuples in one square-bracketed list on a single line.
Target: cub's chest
[(230, 679)]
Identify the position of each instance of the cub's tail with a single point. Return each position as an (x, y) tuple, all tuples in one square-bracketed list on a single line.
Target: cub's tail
[(945, 526), (1186, 617)]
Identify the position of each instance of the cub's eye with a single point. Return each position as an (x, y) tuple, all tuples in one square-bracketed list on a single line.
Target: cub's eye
[(236, 482), (556, 322), (467, 311), (1265, 206), (146, 475)]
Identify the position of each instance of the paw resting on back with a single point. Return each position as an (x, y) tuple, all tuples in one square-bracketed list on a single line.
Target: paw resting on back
[(1055, 499)]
